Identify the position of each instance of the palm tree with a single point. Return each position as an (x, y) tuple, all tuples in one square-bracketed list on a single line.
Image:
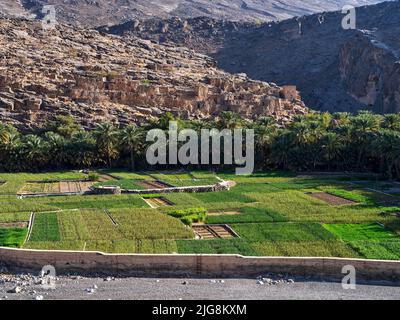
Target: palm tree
[(387, 148), (4, 134), (365, 127), (56, 148), (331, 147), (132, 139), (281, 152), (392, 122), (34, 151), (265, 130), (106, 136), (82, 149), (230, 120)]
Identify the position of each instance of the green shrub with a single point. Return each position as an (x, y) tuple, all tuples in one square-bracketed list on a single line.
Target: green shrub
[(93, 176), (190, 216)]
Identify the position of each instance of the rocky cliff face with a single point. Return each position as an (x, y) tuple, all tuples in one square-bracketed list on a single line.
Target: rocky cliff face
[(370, 69), (97, 77), (335, 69)]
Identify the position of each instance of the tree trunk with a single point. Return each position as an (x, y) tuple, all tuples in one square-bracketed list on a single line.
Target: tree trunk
[(132, 161)]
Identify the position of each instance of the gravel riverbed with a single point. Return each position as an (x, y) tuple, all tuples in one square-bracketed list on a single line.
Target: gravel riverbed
[(269, 287)]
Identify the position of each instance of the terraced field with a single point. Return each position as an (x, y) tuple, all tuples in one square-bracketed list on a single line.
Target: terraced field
[(273, 213)]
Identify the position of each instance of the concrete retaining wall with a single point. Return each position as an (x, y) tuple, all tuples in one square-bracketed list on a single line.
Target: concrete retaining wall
[(193, 265)]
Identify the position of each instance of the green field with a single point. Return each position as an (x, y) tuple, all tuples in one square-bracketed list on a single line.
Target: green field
[(12, 237), (270, 211)]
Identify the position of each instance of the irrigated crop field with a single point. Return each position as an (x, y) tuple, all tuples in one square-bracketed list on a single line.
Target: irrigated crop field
[(271, 214)]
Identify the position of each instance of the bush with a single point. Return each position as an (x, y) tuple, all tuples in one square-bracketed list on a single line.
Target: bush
[(93, 176), (189, 216)]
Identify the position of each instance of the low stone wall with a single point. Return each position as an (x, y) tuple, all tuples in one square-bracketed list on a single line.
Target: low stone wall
[(226, 185), (193, 265)]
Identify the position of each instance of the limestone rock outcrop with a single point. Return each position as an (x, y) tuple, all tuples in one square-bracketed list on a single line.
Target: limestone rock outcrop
[(97, 77)]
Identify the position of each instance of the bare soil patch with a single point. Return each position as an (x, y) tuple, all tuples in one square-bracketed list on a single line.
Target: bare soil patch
[(75, 186), (331, 199), (158, 202), (105, 177), (56, 187), (10, 225), (207, 232)]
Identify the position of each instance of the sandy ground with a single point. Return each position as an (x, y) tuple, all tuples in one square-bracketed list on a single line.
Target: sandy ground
[(79, 288)]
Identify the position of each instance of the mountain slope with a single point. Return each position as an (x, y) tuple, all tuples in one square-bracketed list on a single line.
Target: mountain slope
[(335, 69), (99, 78), (103, 12)]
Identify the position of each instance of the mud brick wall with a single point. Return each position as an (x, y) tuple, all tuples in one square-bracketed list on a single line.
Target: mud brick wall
[(193, 265)]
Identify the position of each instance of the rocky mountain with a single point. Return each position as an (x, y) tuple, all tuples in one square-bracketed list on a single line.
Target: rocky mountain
[(106, 12), (335, 69), (98, 77)]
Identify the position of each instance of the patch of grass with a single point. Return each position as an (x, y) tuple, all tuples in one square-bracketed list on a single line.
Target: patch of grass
[(14, 217), (223, 196), (371, 241), (329, 248), (385, 250), (97, 202), (13, 237), (56, 245), (298, 206), (135, 246), (189, 216), (357, 232), (283, 232), (249, 215), (124, 184), (217, 246), (45, 227)]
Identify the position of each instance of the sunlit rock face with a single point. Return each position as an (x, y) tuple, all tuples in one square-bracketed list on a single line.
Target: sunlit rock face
[(97, 77)]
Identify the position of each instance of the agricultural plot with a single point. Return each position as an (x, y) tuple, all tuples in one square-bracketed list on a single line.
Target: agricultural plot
[(56, 187), (371, 240), (156, 202), (108, 230), (12, 237), (210, 231), (272, 213), (45, 227), (332, 199)]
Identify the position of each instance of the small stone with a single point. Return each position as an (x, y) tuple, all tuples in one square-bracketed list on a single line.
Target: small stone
[(15, 290), (39, 298), (260, 282)]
